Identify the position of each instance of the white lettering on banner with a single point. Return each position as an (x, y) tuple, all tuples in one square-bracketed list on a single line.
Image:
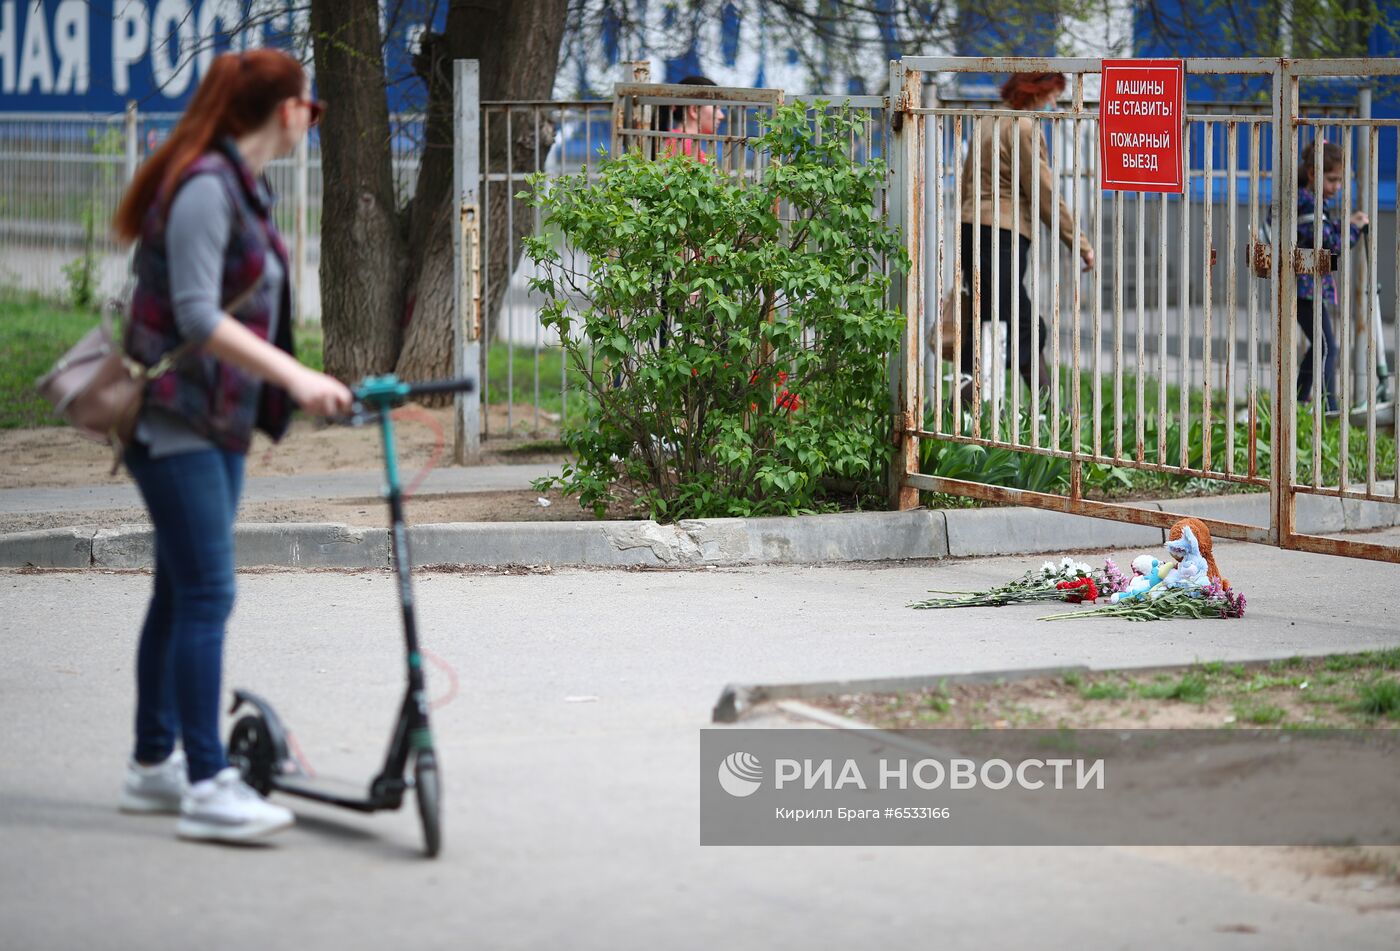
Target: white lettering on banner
[(786, 771), (1140, 87), (172, 47), (922, 781), (898, 774), (1093, 774), (35, 64), (1148, 162), (1140, 140), (131, 32), (70, 42), (1135, 107), (215, 16), (8, 46), (1021, 779)]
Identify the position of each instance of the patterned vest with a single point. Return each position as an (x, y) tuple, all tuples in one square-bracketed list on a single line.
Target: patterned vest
[(221, 402)]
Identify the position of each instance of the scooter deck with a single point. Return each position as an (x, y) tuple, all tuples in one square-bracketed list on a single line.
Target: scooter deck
[(338, 792)]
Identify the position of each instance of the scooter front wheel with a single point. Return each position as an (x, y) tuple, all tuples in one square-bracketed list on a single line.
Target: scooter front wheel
[(428, 791), (250, 749)]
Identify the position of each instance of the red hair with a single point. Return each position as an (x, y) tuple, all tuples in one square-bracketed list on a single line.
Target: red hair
[(1024, 90), (238, 94)]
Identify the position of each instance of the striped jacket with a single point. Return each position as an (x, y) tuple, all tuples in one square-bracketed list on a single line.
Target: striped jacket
[(1308, 217), (220, 402)]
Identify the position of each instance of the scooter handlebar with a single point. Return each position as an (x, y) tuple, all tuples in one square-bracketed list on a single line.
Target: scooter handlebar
[(464, 384)]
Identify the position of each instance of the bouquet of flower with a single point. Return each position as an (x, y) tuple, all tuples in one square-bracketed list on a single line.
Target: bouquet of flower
[(1069, 580), (1197, 603)]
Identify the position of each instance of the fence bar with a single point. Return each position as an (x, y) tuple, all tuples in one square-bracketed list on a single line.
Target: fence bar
[(974, 251), (1342, 323), (996, 376), (1372, 306), (1232, 159), (1117, 336), (466, 316), (956, 229), (939, 203), (1016, 318), (1183, 339), (1056, 164), (1162, 331), (1207, 249), (1140, 294), (1036, 343), (1315, 350), (1253, 384)]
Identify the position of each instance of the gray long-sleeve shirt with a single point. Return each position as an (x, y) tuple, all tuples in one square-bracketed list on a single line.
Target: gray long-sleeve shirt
[(196, 237)]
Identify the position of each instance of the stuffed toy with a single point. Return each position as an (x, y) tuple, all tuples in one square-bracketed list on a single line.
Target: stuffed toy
[(1198, 528), (1148, 573), (1191, 570)]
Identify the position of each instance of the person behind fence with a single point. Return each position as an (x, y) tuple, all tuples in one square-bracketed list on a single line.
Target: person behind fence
[(1025, 92), (685, 122), (212, 288), (1312, 305)]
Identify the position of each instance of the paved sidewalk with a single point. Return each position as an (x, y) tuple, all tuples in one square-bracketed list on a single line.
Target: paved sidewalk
[(570, 765)]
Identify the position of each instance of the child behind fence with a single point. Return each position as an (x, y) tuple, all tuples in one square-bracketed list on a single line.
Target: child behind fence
[(1312, 305)]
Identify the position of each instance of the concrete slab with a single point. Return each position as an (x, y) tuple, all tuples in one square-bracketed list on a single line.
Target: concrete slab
[(1003, 531), (47, 548)]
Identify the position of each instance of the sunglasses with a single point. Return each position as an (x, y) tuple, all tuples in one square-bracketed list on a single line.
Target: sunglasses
[(315, 108)]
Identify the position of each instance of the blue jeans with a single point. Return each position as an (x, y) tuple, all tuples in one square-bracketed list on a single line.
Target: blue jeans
[(192, 499), (1329, 355)]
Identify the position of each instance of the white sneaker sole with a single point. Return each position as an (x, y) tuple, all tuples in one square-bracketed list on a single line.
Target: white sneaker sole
[(200, 831), (134, 805)]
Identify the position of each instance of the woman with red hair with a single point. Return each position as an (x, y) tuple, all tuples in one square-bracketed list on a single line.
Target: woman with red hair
[(212, 301), (1027, 92)]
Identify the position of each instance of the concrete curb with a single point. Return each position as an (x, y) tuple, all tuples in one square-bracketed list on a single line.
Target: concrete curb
[(736, 701), (808, 539)]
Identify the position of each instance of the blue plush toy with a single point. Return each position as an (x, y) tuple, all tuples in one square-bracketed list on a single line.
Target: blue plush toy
[(1190, 570), (1148, 575)]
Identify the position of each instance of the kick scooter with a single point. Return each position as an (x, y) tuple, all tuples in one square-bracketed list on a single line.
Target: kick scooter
[(259, 745)]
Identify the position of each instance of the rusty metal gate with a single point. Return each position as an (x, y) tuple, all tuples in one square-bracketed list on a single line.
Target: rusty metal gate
[(1178, 352)]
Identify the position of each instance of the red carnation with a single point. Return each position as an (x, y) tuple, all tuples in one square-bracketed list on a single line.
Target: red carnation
[(1080, 589)]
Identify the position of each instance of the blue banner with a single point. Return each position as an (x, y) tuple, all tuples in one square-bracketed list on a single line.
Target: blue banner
[(98, 55)]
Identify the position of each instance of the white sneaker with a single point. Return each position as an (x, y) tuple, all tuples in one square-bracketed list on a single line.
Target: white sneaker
[(155, 789), (225, 809)]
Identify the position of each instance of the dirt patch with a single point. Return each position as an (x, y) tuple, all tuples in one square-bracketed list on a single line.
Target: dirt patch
[(1365, 879), (1345, 690), (367, 512), (58, 457)]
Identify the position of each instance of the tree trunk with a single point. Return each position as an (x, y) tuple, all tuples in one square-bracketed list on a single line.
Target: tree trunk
[(517, 44), (362, 247)]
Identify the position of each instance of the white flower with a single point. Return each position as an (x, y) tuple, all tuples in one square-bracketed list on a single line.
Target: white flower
[(1067, 562), (1082, 568), (1048, 568)]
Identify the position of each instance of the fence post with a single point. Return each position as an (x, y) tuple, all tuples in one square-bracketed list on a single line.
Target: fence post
[(1284, 403), (131, 143), (906, 86), (466, 259)]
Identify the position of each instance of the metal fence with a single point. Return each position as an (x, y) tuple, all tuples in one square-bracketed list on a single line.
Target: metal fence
[(1178, 351), (520, 366), (65, 174)]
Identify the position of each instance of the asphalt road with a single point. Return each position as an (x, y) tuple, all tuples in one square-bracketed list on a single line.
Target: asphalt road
[(571, 770)]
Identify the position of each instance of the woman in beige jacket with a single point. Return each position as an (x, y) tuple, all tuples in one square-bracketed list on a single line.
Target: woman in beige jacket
[(1023, 91)]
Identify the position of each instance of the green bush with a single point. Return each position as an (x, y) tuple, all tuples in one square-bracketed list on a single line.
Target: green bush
[(732, 337)]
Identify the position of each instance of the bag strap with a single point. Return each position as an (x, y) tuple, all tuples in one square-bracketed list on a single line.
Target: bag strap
[(167, 362)]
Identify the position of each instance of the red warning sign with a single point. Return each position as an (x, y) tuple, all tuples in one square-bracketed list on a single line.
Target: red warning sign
[(1141, 116)]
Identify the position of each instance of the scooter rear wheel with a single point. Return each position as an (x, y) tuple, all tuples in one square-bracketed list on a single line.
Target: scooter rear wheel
[(250, 750), (428, 791)]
